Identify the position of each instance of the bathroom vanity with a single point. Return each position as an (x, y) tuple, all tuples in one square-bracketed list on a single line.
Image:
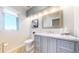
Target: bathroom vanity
[(56, 43)]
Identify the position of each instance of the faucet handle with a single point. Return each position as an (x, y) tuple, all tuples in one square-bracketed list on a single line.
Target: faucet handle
[(33, 32)]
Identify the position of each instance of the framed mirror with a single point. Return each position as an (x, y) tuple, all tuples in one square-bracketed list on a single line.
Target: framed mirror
[(35, 23), (53, 20)]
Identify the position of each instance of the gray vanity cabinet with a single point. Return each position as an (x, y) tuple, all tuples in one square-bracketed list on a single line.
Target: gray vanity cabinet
[(37, 44), (43, 44), (77, 47), (64, 46), (51, 45), (46, 44)]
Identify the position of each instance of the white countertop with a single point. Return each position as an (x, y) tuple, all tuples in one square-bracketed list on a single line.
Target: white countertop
[(59, 36)]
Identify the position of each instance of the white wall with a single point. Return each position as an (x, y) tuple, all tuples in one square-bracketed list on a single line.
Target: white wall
[(76, 21), (14, 38), (1, 19), (68, 15), (71, 19), (40, 29)]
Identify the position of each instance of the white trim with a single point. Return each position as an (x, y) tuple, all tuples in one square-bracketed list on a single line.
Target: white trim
[(10, 10), (5, 10)]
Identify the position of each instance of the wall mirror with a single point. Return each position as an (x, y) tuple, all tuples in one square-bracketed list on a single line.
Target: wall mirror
[(35, 23), (53, 20)]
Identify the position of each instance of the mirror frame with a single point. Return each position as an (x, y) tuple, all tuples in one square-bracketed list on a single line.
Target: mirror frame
[(61, 20)]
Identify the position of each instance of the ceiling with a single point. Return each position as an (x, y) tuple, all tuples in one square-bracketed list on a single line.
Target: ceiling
[(18, 9), (21, 8)]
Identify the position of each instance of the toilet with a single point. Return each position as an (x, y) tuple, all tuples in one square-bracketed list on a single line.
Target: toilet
[(29, 43)]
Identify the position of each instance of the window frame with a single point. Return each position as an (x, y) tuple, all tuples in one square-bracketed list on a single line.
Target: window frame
[(17, 22)]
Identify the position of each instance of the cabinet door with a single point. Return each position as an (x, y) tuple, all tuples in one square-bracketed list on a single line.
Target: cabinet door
[(65, 46), (37, 43), (77, 47), (43, 44), (51, 45)]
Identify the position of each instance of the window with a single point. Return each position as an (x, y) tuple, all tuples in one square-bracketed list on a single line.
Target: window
[(10, 21)]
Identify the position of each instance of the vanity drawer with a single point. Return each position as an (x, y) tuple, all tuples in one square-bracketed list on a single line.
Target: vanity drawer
[(65, 46)]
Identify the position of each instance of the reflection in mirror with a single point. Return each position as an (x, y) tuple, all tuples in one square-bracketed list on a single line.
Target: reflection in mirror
[(35, 23), (54, 20)]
